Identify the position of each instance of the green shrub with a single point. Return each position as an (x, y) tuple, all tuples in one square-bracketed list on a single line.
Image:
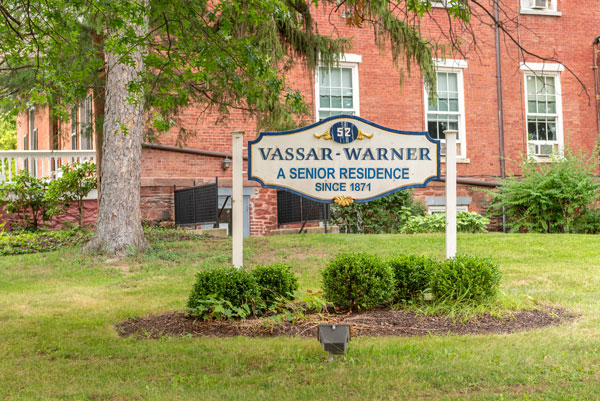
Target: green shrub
[(275, 282), (358, 281), (76, 182), (549, 197), (588, 222), (468, 222), (25, 197), (412, 274), (384, 215), (465, 278), (235, 286)]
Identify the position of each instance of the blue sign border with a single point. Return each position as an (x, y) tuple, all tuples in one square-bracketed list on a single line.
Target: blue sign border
[(340, 116)]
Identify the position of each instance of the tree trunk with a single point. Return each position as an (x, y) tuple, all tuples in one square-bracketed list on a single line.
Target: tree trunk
[(119, 224)]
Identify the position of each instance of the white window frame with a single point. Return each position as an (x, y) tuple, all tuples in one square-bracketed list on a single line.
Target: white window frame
[(548, 70), (347, 61), (32, 139), (74, 124), (551, 9), (455, 66), (439, 4), (85, 118)]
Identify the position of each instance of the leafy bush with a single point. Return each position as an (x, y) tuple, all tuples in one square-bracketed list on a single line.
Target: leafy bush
[(588, 222), (465, 278), (469, 222), (275, 282), (384, 215), (25, 197), (75, 183), (412, 274), (550, 197), (358, 281), (21, 242), (235, 286)]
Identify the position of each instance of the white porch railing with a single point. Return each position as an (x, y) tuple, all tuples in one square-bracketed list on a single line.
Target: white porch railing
[(39, 163)]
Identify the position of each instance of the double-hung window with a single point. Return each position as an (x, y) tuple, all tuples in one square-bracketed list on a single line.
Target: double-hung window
[(447, 110), (337, 88), (543, 109)]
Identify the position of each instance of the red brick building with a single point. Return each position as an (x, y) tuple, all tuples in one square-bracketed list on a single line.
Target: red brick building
[(545, 106)]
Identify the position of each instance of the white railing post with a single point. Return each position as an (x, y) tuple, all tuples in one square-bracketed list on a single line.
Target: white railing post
[(450, 193), (39, 162)]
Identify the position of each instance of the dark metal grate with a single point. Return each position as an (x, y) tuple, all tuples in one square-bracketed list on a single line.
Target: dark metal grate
[(292, 208), (197, 205)]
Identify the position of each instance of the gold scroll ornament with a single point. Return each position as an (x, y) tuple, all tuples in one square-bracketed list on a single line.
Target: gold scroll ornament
[(343, 200)]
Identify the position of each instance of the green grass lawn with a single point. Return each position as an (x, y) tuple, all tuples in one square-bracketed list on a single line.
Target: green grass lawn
[(58, 310)]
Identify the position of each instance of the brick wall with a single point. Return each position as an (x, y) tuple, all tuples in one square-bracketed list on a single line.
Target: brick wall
[(69, 217)]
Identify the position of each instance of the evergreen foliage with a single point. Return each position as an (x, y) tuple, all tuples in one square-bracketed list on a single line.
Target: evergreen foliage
[(276, 282), (226, 54), (358, 281), (412, 276), (465, 278)]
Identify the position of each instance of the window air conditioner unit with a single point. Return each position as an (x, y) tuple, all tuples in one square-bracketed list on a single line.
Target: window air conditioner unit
[(544, 150), (539, 4)]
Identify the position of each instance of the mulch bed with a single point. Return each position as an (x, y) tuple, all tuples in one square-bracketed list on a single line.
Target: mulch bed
[(374, 323)]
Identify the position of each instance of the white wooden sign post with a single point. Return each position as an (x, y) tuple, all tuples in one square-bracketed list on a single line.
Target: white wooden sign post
[(450, 193), (237, 199), (343, 159)]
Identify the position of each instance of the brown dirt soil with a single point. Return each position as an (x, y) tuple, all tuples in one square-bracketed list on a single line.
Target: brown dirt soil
[(375, 323)]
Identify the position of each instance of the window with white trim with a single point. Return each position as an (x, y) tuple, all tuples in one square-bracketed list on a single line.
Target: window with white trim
[(31, 140), (539, 7), (337, 90), (543, 109), (74, 122), (447, 112), (85, 123)]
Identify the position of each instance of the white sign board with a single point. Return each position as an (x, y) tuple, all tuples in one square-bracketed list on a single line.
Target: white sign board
[(344, 159)]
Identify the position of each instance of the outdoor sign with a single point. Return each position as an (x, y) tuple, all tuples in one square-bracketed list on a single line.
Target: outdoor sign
[(344, 159)]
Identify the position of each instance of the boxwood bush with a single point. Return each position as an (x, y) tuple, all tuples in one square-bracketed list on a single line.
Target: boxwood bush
[(235, 286), (465, 279), (412, 275), (358, 281), (275, 282)]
